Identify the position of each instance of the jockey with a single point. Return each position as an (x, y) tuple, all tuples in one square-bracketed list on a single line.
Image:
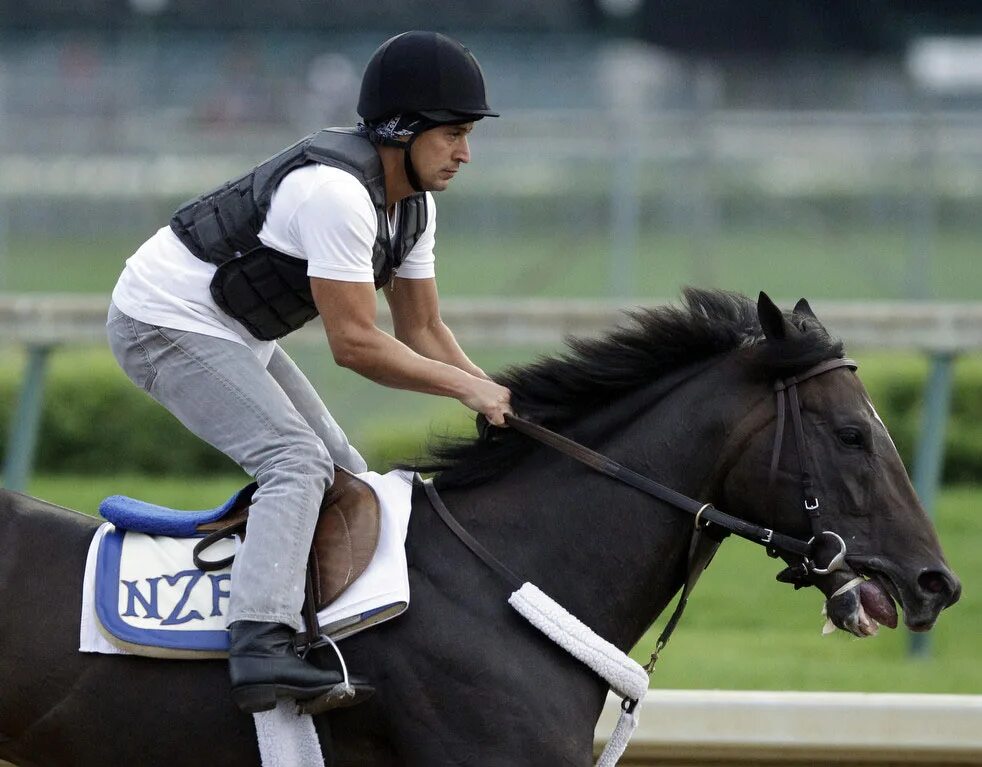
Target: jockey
[(316, 229)]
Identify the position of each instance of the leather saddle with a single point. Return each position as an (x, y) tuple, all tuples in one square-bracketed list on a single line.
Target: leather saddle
[(344, 540)]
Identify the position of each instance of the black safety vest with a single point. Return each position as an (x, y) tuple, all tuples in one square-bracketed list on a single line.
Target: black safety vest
[(264, 289)]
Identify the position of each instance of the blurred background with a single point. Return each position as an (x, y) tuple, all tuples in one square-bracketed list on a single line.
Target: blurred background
[(815, 148), (828, 148)]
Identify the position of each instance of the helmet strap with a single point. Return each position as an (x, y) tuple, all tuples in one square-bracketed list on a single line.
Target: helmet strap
[(411, 174), (392, 133)]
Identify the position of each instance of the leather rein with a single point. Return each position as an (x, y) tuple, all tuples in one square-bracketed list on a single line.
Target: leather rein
[(705, 514)]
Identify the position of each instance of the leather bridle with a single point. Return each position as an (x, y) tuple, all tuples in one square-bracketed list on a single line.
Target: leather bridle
[(812, 504), (708, 518)]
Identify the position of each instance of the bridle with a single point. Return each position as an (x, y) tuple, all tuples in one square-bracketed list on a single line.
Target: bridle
[(812, 504), (708, 519)]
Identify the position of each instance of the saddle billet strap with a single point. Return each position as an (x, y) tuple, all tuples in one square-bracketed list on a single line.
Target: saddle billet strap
[(706, 512), (312, 635)]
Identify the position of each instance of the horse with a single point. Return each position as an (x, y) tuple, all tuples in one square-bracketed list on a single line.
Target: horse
[(682, 394)]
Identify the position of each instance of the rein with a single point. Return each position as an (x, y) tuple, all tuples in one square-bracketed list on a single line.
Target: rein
[(706, 513), (703, 547)]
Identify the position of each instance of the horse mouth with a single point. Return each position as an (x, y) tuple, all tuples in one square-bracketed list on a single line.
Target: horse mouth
[(879, 598), (882, 593), (862, 609)]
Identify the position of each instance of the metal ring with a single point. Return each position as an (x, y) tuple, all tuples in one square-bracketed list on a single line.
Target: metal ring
[(699, 513), (837, 561)]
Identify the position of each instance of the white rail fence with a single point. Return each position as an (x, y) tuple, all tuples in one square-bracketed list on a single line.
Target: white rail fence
[(700, 728), (932, 327)]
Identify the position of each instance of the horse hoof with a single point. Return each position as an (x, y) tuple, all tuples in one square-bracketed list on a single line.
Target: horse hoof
[(255, 698), (339, 697)]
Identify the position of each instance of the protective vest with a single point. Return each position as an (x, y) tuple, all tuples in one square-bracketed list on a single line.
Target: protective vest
[(264, 289)]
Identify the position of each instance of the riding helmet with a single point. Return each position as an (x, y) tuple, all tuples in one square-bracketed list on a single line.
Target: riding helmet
[(423, 73)]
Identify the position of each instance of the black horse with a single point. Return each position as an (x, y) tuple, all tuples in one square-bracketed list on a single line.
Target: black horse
[(683, 395)]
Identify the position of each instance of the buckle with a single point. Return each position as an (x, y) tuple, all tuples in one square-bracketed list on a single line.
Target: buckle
[(699, 513), (811, 506), (770, 535)]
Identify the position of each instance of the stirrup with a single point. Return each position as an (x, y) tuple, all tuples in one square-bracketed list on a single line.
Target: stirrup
[(343, 694)]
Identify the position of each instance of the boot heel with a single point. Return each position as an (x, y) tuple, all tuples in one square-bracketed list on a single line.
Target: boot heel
[(255, 698)]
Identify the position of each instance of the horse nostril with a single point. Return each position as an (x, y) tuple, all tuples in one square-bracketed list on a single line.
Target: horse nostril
[(940, 582)]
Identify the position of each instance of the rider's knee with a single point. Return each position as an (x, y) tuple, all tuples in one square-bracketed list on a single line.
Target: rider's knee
[(301, 455)]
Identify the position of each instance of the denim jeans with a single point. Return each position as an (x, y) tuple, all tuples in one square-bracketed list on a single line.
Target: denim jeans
[(271, 422)]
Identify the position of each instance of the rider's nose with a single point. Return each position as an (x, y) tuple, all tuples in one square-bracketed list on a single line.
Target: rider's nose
[(941, 581), (464, 153)]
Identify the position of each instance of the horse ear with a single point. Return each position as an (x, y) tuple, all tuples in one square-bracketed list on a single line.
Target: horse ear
[(772, 321), (802, 307)]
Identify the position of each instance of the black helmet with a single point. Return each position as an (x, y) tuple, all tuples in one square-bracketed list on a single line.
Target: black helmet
[(423, 73)]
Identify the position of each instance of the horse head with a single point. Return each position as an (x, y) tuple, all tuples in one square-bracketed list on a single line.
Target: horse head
[(836, 478)]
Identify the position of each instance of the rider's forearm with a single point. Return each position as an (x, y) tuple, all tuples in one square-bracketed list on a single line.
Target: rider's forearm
[(379, 357), (437, 342)]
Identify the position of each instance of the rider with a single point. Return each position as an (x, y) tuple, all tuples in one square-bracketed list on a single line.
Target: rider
[(316, 229)]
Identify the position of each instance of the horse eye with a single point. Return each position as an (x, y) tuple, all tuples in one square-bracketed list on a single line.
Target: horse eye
[(851, 437)]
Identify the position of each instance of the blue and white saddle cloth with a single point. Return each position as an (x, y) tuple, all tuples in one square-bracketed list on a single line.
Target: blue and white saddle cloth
[(142, 593)]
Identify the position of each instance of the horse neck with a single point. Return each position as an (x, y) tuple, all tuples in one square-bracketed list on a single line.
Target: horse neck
[(609, 554)]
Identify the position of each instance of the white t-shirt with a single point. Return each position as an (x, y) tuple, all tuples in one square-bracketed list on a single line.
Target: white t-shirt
[(318, 213)]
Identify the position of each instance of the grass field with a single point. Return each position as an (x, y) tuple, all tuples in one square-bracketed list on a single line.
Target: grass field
[(817, 262), (742, 630)]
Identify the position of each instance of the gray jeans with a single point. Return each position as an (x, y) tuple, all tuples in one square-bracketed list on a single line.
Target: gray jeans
[(268, 420)]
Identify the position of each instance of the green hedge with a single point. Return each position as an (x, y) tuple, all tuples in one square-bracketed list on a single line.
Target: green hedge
[(96, 421)]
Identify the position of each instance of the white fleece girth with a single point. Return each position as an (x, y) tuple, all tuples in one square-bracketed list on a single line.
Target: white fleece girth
[(625, 677), (287, 739)]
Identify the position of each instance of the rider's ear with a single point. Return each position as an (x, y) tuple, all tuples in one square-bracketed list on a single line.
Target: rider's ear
[(802, 307), (771, 318)]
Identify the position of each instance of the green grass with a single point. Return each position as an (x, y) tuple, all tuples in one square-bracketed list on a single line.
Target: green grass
[(742, 630), (570, 260)]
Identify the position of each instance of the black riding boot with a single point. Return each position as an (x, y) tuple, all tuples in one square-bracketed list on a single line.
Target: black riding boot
[(264, 666)]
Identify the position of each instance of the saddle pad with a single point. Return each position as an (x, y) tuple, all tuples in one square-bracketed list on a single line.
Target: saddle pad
[(142, 593), (148, 593)]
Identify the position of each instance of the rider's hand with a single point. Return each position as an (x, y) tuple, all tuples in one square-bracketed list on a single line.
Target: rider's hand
[(489, 398)]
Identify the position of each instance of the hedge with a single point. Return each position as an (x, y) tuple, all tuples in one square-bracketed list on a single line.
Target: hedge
[(95, 421)]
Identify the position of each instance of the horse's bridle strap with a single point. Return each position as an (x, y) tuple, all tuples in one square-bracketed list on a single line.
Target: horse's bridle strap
[(762, 535), (789, 386)]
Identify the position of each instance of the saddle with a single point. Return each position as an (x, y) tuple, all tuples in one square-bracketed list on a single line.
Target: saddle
[(344, 541)]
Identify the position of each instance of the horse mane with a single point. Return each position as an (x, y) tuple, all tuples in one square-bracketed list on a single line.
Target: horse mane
[(559, 390)]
